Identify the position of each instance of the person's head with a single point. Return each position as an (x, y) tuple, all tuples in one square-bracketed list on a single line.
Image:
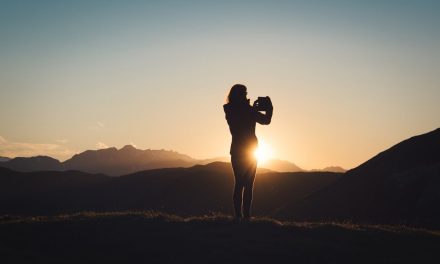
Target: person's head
[(237, 94)]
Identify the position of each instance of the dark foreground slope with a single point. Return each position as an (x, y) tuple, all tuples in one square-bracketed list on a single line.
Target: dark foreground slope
[(400, 184), (146, 237)]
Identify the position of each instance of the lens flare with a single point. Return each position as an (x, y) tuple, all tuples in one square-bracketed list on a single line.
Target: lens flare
[(263, 152)]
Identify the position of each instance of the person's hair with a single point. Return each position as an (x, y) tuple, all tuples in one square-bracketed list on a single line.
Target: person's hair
[(237, 94)]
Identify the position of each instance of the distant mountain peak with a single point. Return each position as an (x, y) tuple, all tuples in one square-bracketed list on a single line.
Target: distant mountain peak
[(3, 159), (334, 169), (107, 149), (337, 169), (128, 159), (128, 147), (35, 158), (40, 163), (281, 166)]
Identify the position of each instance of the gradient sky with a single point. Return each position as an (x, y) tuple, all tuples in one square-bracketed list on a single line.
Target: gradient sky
[(348, 79)]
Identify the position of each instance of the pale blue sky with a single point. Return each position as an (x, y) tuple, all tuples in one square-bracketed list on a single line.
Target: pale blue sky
[(348, 78)]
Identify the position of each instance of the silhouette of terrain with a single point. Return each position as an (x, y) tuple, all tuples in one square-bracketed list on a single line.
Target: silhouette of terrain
[(186, 191), (128, 159), (38, 163), (110, 161), (281, 165), (3, 159), (151, 237), (114, 162), (271, 164), (332, 169), (399, 184)]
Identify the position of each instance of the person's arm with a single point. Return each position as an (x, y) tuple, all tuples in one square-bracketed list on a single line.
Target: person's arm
[(264, 119), (229, 118)]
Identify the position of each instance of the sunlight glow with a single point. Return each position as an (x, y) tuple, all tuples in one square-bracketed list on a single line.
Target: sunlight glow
[(263, 153)]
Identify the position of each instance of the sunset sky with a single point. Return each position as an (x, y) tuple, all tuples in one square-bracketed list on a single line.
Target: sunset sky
[(348, 79)]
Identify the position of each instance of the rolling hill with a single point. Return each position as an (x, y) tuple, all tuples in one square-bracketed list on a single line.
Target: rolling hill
[(401, 184), (197, 190)]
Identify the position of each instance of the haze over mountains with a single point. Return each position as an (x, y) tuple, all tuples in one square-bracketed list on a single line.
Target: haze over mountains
[(399, 185), (114, 162)]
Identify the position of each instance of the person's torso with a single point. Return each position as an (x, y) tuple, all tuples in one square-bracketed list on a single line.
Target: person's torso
[(241, 120)]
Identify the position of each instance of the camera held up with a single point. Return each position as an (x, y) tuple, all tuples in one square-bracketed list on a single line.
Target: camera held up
[(263, 104)]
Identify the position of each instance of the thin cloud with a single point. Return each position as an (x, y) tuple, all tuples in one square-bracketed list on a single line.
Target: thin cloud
[(101, 145), (24, 149), (97, 126)]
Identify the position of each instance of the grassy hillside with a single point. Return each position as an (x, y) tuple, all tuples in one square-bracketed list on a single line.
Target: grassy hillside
[(126, 237)]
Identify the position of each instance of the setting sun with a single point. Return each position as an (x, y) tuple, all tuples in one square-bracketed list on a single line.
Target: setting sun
[(263, 152)]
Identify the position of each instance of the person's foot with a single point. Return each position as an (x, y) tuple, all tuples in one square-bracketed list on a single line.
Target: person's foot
[(247, 219), (237, 219)]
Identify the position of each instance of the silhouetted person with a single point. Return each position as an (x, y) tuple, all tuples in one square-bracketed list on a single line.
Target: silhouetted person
[(242, 118)]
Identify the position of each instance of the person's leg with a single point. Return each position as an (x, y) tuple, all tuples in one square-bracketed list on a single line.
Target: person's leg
[(237, 197), (248, 188)]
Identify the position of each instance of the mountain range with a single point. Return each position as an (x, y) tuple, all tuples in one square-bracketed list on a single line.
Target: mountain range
[(116, 162), (399, 185)]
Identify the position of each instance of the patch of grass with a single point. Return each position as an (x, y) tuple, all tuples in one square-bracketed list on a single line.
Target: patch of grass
[(214, 217), (156, 237)]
